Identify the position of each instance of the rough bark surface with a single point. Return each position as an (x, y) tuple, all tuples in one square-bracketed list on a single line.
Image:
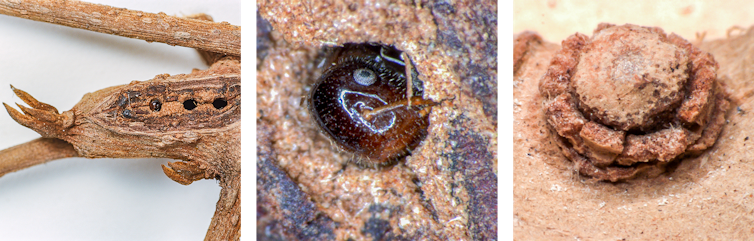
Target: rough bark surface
[(199, 34), (194, 118), (116, 122)]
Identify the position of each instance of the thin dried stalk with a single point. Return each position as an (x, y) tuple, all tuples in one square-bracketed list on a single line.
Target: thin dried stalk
[(33, 153), (203, 35)]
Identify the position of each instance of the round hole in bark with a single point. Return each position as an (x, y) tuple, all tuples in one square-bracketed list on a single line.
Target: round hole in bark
[(189, 104), (219, 103)]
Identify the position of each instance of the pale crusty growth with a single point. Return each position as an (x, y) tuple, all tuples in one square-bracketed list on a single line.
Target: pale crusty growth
[(631, 99), (629, 74)]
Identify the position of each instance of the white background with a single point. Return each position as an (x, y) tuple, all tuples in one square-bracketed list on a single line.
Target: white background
[(96, 199)]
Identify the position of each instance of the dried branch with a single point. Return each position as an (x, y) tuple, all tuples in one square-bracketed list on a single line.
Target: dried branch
[(33, 153), (150, 118), (203, 35)]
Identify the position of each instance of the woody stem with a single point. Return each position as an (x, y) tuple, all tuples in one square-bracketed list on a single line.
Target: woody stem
[(193, 33)]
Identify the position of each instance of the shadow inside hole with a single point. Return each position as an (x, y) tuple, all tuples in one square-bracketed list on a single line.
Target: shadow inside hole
[(189, 104), (219, 103)]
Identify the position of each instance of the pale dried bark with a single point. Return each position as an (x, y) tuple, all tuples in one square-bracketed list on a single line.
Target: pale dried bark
[(34, 153), (117, 122), (193, 33)]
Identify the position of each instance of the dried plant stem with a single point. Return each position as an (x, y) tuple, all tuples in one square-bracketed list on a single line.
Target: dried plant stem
[(226, 223), (33, 153), (203, 35)]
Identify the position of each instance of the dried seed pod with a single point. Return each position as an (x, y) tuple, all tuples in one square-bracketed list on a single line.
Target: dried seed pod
[(631, 99)]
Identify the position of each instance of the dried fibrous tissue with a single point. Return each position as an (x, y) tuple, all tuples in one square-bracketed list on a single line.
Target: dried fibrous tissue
[(631, 99)]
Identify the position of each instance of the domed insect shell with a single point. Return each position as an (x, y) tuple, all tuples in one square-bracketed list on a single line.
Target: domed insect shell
[(362, 104)]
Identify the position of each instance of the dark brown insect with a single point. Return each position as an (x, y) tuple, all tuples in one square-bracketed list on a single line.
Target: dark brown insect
[(155, 105), (363, 104)]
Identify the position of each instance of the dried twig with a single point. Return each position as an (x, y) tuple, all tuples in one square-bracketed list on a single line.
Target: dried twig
[(222, 216), (33, 153), (204, 35)]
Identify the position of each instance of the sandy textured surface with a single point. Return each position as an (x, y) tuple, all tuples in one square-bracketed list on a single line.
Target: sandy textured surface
[(706, 197), (555, 20)]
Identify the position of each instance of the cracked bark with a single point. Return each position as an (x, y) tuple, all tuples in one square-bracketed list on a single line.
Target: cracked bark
[(230, 196)]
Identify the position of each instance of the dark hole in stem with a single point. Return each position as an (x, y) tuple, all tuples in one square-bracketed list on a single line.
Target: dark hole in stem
[(189, 104), (219, 103)]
